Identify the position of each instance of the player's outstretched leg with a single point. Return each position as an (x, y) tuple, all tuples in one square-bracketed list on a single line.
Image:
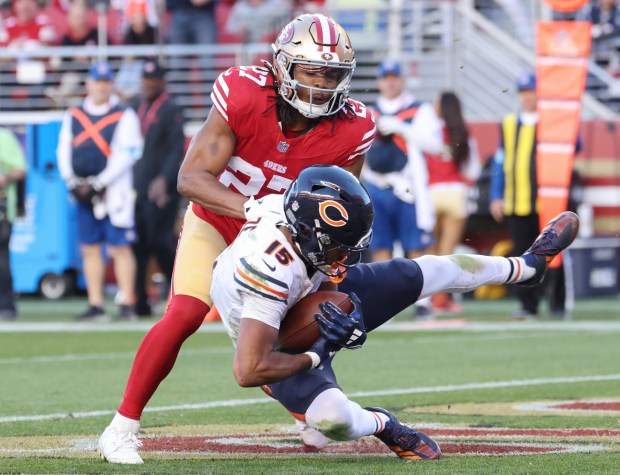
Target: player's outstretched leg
[(556, 236), (404, 441)]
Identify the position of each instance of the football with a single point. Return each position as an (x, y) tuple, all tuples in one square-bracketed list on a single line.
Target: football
[(299, 330)]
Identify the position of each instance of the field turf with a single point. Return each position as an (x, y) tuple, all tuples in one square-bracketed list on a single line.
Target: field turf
[(499, 396)]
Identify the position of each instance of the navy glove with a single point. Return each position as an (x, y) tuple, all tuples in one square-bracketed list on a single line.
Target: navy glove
[(344, 330), (321, 350)]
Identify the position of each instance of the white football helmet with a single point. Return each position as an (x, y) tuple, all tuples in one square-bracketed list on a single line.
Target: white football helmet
[(314, 42)]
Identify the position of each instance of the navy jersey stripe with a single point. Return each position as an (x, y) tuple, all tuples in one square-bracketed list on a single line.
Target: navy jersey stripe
[(258, 273), (248, 287)]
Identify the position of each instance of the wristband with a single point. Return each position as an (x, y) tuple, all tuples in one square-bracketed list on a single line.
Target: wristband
[(316, 359)]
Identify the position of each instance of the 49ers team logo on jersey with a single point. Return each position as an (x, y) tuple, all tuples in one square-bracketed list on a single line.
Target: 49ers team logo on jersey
[(339, 216)]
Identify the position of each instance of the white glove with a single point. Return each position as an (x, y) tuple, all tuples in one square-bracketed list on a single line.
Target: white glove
[(268, 204), (389, 125)]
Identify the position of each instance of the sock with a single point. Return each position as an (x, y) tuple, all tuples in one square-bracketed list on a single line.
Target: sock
[(381, 420), (158, 352), (461, 273), (125, 424), (519, 270)]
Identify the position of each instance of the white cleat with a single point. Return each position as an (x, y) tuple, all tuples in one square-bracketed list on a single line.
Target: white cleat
[(119, 447)]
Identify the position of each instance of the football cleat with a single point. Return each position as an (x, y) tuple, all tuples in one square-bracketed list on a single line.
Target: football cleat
[(119, 447), (405, 442), (556, 236)]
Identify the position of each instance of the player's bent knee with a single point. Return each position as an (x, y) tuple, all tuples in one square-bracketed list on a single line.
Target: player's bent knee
[(331, 413), (187, 312)]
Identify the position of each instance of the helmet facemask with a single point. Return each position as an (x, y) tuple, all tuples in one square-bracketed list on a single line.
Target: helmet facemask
[(290, 87), (324, 253)]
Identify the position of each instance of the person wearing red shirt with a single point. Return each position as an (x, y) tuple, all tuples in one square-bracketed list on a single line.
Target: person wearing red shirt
[(27, 28)]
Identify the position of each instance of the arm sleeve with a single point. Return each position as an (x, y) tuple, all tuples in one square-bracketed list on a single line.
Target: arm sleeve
[(425, 130), (126, 148), (63, 150)]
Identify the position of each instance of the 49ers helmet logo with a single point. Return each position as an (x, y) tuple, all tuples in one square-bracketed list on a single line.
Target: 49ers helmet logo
[(336, 222)]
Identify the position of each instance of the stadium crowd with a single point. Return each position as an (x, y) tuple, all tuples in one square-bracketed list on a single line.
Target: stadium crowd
[(27, 24)]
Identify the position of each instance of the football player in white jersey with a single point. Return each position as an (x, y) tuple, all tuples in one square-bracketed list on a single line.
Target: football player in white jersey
[(295, 244), (276, 260)]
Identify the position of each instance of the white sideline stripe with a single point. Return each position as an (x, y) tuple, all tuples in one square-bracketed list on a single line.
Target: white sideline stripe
[(101, 356), (389, 392), (93, 327)]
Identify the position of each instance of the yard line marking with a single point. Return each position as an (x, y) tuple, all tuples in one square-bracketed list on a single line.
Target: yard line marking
[(389, 392), (103, 356), (491, 385)]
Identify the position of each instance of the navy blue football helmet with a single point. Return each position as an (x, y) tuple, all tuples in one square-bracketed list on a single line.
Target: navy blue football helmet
[(330, 215)]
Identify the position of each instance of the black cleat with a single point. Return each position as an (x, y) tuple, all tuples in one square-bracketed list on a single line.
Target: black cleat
[(556, 236), (405, 442)]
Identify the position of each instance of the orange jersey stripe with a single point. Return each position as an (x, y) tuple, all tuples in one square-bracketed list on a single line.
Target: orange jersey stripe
[(261, 285)]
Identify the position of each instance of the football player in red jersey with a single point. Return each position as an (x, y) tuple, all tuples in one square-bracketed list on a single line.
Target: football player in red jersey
[(267, 124)]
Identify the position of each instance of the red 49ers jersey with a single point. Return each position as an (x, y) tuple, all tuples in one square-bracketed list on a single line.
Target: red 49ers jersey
[(264, 160)]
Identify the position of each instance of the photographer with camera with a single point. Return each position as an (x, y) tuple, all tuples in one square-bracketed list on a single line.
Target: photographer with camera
[(12, 170)]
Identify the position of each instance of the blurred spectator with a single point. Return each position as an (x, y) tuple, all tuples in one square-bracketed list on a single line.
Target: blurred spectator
[(80, 31), (604, 16), (514, 196), (28, 27), (155, 179), (150, 10), (258, 20), (12, 170), (128, 79), (395, 173), (139, 31), (449, 176), (193, 21), (97, 148)]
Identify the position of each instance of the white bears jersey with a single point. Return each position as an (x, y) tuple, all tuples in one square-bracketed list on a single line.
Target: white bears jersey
[(260, 275)]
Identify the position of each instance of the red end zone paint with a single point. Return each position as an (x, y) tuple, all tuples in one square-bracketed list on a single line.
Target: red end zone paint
[(589, 406), (289, 444)]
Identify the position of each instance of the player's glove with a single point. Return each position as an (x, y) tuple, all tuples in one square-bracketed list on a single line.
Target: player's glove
[(344, 330), (321, 350)]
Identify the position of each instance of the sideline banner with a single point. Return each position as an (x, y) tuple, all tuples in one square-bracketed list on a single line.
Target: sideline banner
[(563, 49)]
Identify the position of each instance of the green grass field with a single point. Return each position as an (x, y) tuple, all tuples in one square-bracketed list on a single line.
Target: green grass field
[(60, 383)]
